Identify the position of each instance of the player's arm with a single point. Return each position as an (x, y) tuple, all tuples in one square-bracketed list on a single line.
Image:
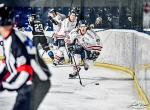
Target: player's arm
[(22, 78), (94, 35), (53, 20), (71, 36), (23, 70), (4, 74), (59, 19)]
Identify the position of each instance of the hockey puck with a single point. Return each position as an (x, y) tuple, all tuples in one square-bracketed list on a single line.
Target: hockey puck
[(96, 83)]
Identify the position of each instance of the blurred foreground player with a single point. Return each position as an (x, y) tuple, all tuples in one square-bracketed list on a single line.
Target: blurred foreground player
[(21, 61), (17, 72)]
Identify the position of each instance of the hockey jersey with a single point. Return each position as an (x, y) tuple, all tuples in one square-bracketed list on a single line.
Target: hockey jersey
[(20, 62), (37, 28), (58, 18), (17, 63), (90, 40), (66, 27)]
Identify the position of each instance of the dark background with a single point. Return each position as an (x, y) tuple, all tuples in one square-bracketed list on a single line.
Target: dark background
[(127, 8)]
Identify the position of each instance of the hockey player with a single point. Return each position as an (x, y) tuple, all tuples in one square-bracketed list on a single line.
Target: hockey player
[(56, 18), (38, 35), (78, 13), (67, 26), (16, 71), (84, 45), (17, 68)]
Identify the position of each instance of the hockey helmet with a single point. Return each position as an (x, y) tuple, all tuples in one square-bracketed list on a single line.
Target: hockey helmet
[(6, 15), (52, 10), (82, 23), (72, 12)]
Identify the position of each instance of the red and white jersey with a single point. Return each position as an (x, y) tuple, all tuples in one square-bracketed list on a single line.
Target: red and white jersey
[(59, 18), (66, 27), (90, 40)]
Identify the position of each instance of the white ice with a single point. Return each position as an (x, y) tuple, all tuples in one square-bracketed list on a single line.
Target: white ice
[(115, 91)]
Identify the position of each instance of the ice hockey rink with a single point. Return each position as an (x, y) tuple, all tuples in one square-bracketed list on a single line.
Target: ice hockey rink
[(104, 89), (119, 79)]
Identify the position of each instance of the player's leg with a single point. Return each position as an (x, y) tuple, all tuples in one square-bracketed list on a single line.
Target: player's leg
[(23, 100), (76, 65), (79, 54), (59, 56), (85, 58), (46, 47), (55, 46)]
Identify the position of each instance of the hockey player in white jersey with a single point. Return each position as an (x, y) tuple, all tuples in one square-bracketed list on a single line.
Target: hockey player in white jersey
[(56, 18), (84, 45), (67, 26)]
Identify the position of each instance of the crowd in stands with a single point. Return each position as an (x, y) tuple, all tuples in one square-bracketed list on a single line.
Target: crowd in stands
[(97, 17)]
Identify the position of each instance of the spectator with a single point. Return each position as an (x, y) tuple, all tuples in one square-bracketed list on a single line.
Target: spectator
[(98, 22)]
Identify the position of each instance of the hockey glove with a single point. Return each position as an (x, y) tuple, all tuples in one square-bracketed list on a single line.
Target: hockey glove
[(53, 21)]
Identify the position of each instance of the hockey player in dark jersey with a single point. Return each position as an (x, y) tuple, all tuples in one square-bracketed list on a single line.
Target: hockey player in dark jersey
[(38, 35), (20, 63)]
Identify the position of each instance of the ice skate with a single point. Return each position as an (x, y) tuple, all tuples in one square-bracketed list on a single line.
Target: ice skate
[(74, 74)]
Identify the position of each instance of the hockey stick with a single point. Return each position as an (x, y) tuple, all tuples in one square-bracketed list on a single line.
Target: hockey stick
[(68, 53), (43, 53), (77, 70)]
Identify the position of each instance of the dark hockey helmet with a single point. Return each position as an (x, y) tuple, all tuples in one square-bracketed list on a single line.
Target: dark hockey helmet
[(32, 17), (52, 10), (82, 23), (76, 10), (72, 12), (6, 15)]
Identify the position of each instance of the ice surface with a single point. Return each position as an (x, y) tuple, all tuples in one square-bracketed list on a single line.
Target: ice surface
[(115, 91)]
